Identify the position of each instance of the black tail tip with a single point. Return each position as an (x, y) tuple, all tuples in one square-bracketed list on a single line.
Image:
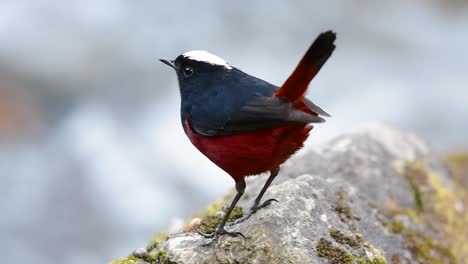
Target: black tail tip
[(329, 35), (326, 38), (321, 48)]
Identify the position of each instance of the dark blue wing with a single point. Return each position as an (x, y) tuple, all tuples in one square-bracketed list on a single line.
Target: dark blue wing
[(242, 103)]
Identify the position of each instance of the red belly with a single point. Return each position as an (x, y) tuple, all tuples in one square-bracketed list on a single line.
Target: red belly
[(253, 152)]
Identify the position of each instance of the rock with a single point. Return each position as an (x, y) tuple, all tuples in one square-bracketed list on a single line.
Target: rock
[(376, 195)]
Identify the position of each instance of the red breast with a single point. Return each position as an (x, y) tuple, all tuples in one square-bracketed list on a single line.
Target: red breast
[(252, 152)]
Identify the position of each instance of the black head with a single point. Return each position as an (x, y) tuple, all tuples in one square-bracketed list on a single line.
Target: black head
[(198, 69)]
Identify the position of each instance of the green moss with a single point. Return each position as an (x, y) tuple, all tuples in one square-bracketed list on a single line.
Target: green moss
[(162, 258), (439, 214), (422, 247), (211, 222), (238, 212), (334, 255), (343, 212), (158, 239), (211, 219), (453, 223), (396, 226), (159, 257), (358, 244), (340, 195), (346, 240), (150, 258), (415, 176), (378, 260), (411, 174), (368, 254), (126, 260), (363, 251), (359, 239)]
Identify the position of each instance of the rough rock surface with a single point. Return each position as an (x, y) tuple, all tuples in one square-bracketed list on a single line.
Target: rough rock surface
[(376, 195)]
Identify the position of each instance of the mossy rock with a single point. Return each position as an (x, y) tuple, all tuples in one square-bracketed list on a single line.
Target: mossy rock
[(435, 212), (374, 196)]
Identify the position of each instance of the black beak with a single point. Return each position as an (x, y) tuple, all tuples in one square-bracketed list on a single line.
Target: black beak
[(168, 63)]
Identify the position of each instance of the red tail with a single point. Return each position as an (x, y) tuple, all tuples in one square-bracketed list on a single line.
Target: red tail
[(319, 52)]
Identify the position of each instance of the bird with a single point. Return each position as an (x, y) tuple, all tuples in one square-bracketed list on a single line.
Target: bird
[(243, 124)]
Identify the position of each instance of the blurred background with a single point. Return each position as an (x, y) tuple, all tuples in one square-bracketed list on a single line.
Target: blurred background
[(93, 160)]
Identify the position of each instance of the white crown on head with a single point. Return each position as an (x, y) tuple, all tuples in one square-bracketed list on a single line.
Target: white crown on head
[(205, 56)]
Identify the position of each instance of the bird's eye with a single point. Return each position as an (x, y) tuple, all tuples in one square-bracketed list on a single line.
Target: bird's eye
[(188, 71)]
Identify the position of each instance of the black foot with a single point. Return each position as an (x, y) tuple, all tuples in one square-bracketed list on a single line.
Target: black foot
[(252, 211), (217, 234), (265, 204)]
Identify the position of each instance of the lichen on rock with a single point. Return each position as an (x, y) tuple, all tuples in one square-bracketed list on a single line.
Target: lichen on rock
[(435, 232), (333, 254)]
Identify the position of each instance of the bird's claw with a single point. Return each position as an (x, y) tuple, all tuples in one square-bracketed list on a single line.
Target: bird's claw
[(253, 210), (217, 234), (206, 235), (265, 204)]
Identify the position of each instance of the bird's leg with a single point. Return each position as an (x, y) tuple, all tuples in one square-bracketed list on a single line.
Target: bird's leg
[(256, 206), (240, 188)]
